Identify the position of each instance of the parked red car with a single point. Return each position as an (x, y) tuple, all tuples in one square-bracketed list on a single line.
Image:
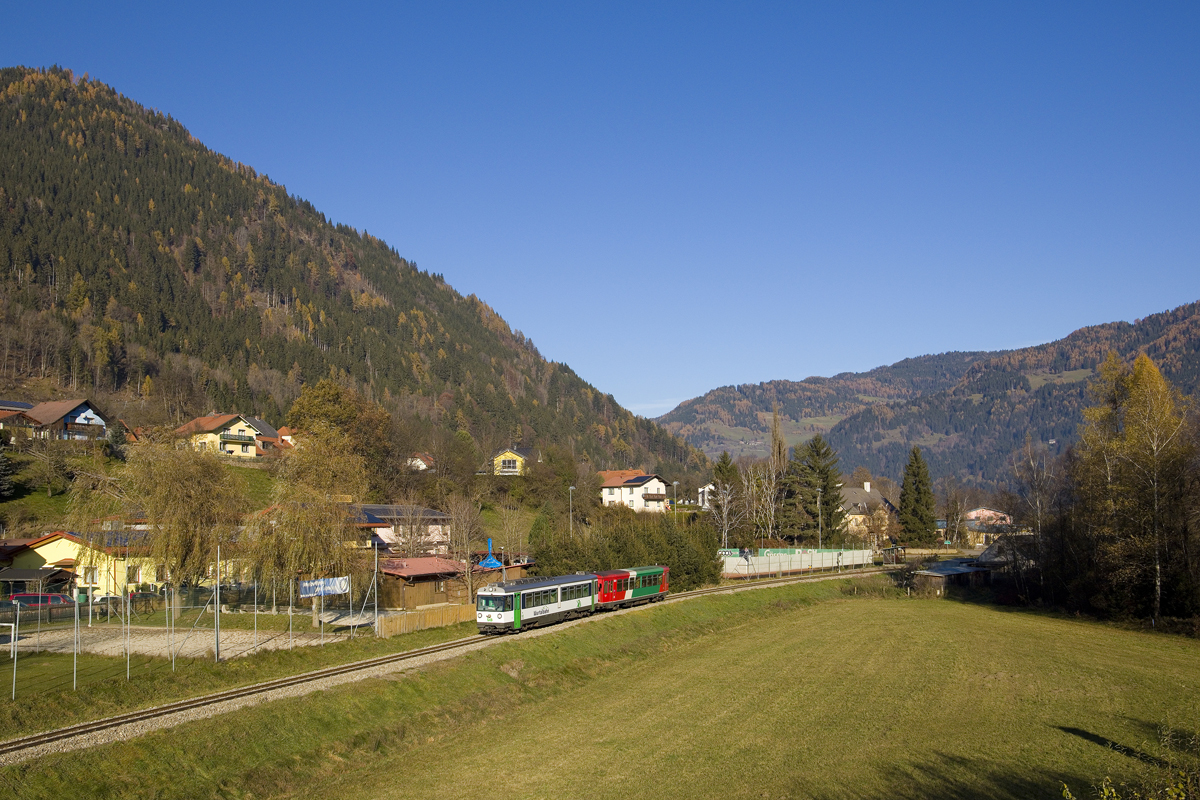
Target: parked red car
[(34, 600)]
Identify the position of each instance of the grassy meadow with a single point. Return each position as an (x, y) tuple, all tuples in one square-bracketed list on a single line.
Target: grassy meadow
[(818, 690)]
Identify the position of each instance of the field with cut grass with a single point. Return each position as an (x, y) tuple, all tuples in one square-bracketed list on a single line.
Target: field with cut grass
[(804, 691)]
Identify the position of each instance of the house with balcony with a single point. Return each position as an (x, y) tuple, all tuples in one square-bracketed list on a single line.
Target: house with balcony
[(232, 435), (68, 419), (513, 461), (634, 489)]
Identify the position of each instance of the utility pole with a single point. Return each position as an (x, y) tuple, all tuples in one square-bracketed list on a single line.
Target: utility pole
[(571, 510), (675, 506), (820, 520), (217, 611)]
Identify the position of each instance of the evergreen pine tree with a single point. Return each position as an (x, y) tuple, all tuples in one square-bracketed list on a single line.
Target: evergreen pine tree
[(813, 492), (6, 473), (917, 511), (725, 472)]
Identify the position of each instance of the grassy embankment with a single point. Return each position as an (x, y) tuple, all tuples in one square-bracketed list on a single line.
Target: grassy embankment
[(802, 691), (46, 700)]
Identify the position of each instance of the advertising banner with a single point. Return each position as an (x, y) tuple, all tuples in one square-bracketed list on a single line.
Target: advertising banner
[(322, 587)]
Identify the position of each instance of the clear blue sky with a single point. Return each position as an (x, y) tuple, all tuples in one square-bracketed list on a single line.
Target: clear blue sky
[(674, 197)]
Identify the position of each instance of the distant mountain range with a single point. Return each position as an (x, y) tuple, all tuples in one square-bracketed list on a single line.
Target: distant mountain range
[(141, 268), (969, 411)]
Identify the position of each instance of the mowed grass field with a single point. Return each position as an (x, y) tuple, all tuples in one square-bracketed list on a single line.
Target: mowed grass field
[(804, 691)]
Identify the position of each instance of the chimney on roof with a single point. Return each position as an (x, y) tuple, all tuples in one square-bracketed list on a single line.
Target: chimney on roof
[(867, 486)]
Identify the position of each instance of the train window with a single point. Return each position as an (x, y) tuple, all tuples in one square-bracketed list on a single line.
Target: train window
[(492, 603)]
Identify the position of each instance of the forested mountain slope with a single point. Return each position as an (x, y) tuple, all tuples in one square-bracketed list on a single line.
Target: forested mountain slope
[(971, 429), (140, 266), (969, 411), (738, 418)]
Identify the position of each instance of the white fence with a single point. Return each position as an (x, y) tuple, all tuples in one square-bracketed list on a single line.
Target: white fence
[(795, 563)]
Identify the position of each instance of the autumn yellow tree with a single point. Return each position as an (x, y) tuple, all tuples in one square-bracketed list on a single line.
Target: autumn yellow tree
[(1134, 456)]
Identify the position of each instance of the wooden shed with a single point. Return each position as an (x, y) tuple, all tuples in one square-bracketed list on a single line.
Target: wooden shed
[(958, 572), (411, 583)]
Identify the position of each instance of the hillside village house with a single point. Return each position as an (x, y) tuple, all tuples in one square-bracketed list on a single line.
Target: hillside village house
[(420, 462), (234, 435), (14, 423), (58, 419), (513, 461), (706, 494), (408, 529), (988, 516), (867, 511), (634, 489), (96, 570)]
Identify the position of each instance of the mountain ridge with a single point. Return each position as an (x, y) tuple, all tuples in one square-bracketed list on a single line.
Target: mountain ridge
[(969, 423), (140, 265)]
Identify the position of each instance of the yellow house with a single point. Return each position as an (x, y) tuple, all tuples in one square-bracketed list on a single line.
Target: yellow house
[(512, 461), (233, 435), (99, 571)]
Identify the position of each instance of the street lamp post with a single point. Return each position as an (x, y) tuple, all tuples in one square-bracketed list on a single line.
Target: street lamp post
[(571, 510), (676, 505), (820, 520)]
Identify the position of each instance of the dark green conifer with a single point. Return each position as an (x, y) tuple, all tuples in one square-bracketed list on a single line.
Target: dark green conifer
[(917, 509), (725, 472), (812, 504), (6, 473)]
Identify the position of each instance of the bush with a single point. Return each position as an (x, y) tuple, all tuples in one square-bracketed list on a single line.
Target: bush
[(619, 538)]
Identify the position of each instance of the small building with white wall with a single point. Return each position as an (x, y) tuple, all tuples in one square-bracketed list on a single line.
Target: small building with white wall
[(634, 489)]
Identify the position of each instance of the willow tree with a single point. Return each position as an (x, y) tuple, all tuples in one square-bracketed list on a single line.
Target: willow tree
[(310, 528), (185, 502)]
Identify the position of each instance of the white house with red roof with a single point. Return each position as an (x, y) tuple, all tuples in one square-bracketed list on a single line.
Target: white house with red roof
[(634, 489)]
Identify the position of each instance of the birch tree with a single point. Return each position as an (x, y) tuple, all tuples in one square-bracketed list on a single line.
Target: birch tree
[(465, 524), (1134, 459)]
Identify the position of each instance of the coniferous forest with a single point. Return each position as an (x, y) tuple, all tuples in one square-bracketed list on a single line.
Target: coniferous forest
[(147, 271)]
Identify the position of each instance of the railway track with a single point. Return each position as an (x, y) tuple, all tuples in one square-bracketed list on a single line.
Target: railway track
[(13, 746), (25, 744)]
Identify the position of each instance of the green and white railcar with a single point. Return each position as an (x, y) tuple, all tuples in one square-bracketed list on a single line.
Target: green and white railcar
[(529, 602)]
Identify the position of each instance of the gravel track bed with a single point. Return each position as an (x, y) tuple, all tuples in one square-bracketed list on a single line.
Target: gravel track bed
[(134, 729)]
